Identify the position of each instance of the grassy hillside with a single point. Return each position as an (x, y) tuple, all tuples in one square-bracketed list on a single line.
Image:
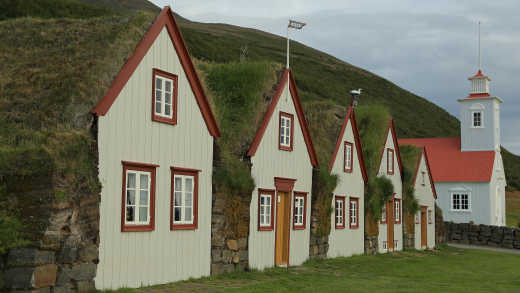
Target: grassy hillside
[(49, 9)]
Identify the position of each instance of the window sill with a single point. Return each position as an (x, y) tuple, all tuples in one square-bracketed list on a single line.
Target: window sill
[(299, 227), (285, 148), (165, 120), (339, 227), (137, 228), (183, 227), (347, 170), (354, 227), (270, 228)]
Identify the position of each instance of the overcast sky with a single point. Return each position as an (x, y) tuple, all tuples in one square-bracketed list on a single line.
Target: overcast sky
[(426, 47)]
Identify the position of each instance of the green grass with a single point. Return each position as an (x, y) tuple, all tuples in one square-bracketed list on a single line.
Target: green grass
[(49, 9), (446, 270), (513, 209)]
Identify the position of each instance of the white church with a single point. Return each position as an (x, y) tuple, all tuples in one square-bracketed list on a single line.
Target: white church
[(468, 171)]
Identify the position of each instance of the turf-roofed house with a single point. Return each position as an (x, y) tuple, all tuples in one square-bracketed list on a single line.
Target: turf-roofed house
[(347, 232), (390, 224), (419, 180), (155, 139), (468, 172), (282, 157)]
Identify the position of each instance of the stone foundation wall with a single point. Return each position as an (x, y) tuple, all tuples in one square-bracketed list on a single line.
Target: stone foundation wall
[(408, 240), (440, 230), (229, 233), (371, 243), (483, 235), (318, 247)]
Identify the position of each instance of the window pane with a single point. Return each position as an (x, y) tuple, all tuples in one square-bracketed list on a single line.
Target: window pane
[(158, 109), (178, 199), (187, 215), (178, 184), (130, 217), (143, 214), (130, 181), (168, 85), (158, 97), (268, 200), (143, 183), (262, 199), (188, 199), (189, 184), (262, 210), (143, 198), (283, 122), (168, 98), (130, 197), (167, 110), (288, 124), (177, 214), (158, 83)]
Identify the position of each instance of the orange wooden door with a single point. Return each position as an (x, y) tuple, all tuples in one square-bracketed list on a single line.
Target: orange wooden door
[(390, 224), (424, 227), (282, 229)]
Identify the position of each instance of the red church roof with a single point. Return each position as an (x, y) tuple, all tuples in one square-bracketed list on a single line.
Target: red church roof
[(449, 164)]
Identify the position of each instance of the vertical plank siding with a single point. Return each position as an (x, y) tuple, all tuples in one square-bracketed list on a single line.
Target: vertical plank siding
[(135, 259), (424, 196), (269, 162), (398, 189), (347, 242)]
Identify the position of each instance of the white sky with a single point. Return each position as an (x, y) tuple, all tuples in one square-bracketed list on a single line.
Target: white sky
[(426, 47)]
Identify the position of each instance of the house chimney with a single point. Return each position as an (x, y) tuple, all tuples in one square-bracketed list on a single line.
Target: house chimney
[(355, 97)]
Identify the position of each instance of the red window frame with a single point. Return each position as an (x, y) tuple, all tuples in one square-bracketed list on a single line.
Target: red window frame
[(388, 152), (186, 172), (348, 170), (291, 144), (351, 200), (397, 220), (273, 202), (342, 199), (143, 168), (304, 196), (174, 78)]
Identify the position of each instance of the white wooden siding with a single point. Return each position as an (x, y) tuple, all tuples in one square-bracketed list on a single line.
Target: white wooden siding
[(398, 189), (269, 162), (347, 242), (424, 196), (127, 132)]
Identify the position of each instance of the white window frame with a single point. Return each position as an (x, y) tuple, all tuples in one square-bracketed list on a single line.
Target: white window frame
[(385, 245), (299, 206), (460, 193), (397, 211), (390, 164), (266, 207), (340, 221), (418, 217), (183, 192), (430, 216), (162, 93), (348, 155), (383, 214), (137, 197), (285, 131), (481, 119), (353, 213), (423, 178)]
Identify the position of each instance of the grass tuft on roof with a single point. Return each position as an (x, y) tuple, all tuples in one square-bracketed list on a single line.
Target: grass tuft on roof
[(410, 156)]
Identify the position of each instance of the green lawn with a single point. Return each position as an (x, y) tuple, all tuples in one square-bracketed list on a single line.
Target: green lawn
[(446, 270)]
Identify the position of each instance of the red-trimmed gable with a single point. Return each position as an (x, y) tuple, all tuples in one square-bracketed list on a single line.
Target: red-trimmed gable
[(427, 162), (350, 116), (287, 77), (391, 128), (165, 19), (449, 164)]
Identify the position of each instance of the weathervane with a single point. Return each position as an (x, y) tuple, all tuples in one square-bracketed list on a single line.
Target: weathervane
[(295, 25)]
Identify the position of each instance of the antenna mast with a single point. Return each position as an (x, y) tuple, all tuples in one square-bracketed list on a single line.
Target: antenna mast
[(295, 25), (479, 55)]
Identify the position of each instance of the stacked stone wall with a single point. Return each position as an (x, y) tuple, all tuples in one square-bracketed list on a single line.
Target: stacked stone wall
[(483, 235), (371, 244)]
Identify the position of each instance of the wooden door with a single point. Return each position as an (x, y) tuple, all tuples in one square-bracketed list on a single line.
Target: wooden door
[(390, 222), (282, 229), (424, 227)]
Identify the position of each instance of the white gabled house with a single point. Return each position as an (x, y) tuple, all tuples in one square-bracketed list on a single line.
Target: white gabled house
[(347, 234), (283, 158), (390, 236), (155, 139)]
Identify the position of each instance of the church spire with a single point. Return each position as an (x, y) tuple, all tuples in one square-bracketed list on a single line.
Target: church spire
[(479, 82)]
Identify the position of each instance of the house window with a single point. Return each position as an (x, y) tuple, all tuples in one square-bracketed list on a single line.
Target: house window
[(430, 219), (396, 242), (348, 157), (354, 212), (138, 204), (397, 210), (164, 99), (340, 212), (299, 210), (417, 218), (390, 161), (477, 119), (286, 131), (385, 245), (265, 209), (423, 182), (383, 214), (184, 199), (460, 202)]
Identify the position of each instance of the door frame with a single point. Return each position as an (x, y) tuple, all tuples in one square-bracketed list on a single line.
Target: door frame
[(283, 185), (424, 223)]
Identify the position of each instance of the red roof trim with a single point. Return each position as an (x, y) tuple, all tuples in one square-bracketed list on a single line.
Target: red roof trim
[(167, 19), (429, 173), (287, 75), (485, 95), (350, 116)]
